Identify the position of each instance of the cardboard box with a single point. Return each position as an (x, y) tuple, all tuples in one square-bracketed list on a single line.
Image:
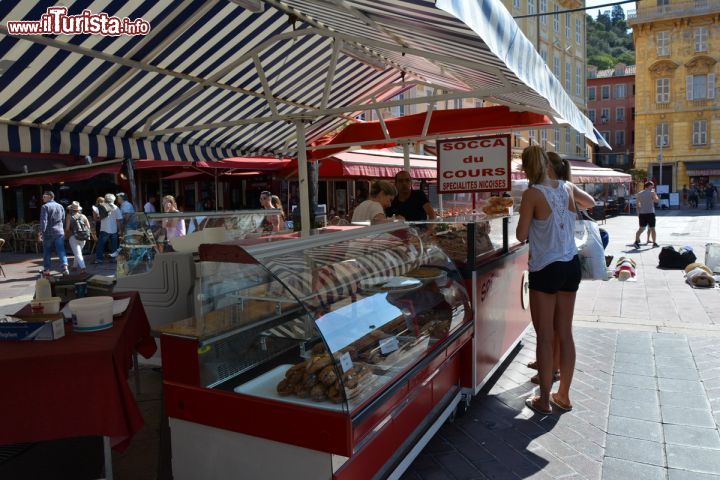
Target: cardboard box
[(33, 327)]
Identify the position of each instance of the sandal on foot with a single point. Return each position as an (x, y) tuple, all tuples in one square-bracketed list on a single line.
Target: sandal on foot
[(531, 403), (565, 407), (532, 365), (536, 378)]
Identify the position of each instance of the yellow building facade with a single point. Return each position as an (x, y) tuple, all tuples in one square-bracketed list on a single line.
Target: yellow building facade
[(677, 111), (560, 40)]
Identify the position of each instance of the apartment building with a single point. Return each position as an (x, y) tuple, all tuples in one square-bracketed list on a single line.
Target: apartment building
[(611, 107), (677, 123), (560, 40)]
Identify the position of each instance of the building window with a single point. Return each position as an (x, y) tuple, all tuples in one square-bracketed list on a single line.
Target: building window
[(568, 140), (662, 90), (591, 115), (620, 90), (568, 76), (620, 137), (604, 115), (516, 4), (557, 139), (543, 53), (543, 138), (700, 87), (580, 143), (591, 93), (606, 136), (399, 110), (556, 65), (662, 40), (701, 39), (531, 137), (531, 7), (700, 132), (543, 9), (556, 19), (605, 89), (568, 29), (578, 80), (662, 134), (620, 114), (578, 31)]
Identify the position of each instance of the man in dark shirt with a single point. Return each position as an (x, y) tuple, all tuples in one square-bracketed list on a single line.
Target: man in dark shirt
[(52, 232), (411, 204), (710, 196)]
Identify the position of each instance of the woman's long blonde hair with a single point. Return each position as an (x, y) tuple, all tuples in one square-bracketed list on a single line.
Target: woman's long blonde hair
[(171, 199), (534, 164)]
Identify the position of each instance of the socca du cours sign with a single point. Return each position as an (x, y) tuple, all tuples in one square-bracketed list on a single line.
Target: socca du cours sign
[(478, 164)]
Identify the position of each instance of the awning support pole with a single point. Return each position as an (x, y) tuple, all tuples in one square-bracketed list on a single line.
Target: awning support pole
[(215, 174), (131, 180), (303, 179)]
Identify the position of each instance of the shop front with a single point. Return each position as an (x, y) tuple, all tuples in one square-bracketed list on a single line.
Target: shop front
[(702, 173)]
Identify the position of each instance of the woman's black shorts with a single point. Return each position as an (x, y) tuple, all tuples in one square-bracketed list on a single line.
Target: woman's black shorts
[(557, 277)]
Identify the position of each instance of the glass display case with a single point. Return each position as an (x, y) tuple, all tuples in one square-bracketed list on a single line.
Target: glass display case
[(145, 235), (471, 239), (326, 322)]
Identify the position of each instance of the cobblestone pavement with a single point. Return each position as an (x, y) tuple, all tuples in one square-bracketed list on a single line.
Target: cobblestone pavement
[(646, 406)]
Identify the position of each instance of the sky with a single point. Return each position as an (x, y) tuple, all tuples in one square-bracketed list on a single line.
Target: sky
[(593, 12)]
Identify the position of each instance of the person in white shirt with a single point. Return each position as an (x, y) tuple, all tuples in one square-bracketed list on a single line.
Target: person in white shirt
[(372, 210), (149, 206), (108, 229)]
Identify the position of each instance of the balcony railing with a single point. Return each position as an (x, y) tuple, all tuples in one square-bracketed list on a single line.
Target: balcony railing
[(676, 10), (663, 106)]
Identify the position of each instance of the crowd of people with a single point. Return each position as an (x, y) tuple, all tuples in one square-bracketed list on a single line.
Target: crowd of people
[(692, 196)]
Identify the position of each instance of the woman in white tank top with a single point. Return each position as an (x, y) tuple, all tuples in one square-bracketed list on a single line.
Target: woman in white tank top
[(547, 220)]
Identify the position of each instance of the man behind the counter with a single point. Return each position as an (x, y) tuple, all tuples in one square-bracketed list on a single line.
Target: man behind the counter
[(412, 205)]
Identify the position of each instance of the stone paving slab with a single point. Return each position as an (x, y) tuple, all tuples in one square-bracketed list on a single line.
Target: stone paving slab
[(624, 426)]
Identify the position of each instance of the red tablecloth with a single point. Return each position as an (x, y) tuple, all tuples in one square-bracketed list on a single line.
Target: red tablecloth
[(75, 386)]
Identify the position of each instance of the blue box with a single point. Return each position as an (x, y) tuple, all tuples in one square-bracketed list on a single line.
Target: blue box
[(33, 327)]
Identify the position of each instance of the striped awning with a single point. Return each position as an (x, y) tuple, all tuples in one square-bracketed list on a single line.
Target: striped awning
[(213, 80)]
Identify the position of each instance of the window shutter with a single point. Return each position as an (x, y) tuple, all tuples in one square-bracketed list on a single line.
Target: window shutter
[(689, 87), (711, 85)]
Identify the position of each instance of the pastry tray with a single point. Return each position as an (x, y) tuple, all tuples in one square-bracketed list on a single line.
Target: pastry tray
[(265, 386)]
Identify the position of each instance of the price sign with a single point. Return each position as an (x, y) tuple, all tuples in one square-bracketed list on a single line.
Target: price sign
[(346, 362), (388, 345)]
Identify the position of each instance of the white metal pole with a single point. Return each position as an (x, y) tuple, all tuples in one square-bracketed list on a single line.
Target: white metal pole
[(660, 157), (406, 157), (303, 179)]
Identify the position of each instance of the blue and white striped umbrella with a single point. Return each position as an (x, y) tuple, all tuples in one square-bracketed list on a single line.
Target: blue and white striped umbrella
[(189, 89)]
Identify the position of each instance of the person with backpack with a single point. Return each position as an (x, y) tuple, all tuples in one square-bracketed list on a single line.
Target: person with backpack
[(77, 231)]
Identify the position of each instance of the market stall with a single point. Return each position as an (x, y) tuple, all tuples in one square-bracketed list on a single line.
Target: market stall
[(326, 354)]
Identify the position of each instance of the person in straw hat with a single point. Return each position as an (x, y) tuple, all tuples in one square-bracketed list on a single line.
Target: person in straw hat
[(77, 231)]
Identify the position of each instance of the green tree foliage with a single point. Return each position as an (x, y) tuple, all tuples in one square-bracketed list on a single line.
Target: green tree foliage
[(609, 40)]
